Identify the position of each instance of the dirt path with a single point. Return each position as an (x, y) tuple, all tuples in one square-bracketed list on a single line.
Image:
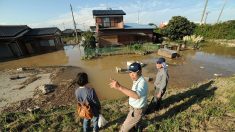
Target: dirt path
[(21, 92)]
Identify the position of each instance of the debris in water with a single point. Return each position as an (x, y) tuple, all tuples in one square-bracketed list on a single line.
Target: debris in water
[(119, 69), (148, 79), (202, 67), (218, 75)]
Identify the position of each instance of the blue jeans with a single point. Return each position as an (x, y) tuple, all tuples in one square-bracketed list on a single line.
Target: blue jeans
[(86, 124)]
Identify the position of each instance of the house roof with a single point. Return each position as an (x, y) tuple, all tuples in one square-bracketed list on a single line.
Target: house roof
[(43, 31), (137, 26), (12, 30), (108, 12), (70, 31)]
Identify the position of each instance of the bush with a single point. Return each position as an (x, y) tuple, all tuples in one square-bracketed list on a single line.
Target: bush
[(88, 40), (225, 30)]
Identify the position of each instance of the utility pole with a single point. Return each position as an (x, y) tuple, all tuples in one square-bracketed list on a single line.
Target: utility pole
[(74, 23), (203, 13), (63, 25), (221, 11), (138, 17), (206, 16)]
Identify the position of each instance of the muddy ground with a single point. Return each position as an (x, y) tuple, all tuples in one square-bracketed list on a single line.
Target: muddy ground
[(20, 88)]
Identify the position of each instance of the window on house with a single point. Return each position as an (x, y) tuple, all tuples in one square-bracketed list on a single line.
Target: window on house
[(52, 42), (44, 43), (106, 22), (47, 42), (114, 22)]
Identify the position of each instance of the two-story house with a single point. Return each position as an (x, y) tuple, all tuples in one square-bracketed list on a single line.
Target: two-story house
[(111, 29)]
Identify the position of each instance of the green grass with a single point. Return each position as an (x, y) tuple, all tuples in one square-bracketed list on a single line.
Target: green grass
[(129, 49), (204, 107)]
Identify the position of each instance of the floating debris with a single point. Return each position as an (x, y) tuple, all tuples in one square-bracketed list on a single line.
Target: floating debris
[(167, 53), (202, 67), (119, 69), (148, 79), (218, 75)]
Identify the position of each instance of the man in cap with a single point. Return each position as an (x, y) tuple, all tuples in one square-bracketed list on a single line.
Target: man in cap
[(137, 96), (161, 81)]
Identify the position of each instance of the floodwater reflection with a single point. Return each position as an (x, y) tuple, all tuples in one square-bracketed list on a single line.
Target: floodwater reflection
[(192, 67)]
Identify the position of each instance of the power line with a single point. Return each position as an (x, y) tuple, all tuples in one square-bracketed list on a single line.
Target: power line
[(206, 16), (221, 11), (204, 10)]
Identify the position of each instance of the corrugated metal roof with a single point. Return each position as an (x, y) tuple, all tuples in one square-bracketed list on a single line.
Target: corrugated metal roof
[(137, 26), (108, 12), (42, 31), (12, 30)]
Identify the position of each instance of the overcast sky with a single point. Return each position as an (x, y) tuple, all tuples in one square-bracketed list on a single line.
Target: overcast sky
[(47, 13)]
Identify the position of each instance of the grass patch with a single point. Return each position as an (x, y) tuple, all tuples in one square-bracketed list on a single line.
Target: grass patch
[(129, 49), (199, 108)]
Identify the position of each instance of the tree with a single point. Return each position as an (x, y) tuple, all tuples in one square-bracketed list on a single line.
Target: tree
[(178, 27), (157, 29), (88, 40)]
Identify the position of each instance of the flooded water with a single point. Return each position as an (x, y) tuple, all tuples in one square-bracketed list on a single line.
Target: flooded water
[(192, 67)]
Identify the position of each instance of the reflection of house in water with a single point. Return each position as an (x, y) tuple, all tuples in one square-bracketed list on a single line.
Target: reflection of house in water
[(20, 40), (111, 29)]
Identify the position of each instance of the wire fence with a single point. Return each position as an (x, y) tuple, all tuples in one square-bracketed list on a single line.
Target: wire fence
[(129, 49)]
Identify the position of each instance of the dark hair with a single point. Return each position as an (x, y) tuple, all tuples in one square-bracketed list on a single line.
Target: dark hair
[(82, 78)]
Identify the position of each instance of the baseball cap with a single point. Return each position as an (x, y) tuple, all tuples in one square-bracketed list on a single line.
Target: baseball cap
[(134, 67), (160, 60)]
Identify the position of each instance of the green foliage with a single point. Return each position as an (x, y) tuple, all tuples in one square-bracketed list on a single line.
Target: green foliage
[(136, 46), (232, 102), (225, 30), (178, 27), (88, 41), (56, 119)]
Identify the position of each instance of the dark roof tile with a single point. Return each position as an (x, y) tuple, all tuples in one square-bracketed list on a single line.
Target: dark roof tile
[(12, 30), (108, 12), (42, 31)]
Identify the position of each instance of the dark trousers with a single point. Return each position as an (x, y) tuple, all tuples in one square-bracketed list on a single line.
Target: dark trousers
[(86, 124), (157, 100)]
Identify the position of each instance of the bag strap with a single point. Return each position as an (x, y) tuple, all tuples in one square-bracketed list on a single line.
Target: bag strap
[(85, 99)]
